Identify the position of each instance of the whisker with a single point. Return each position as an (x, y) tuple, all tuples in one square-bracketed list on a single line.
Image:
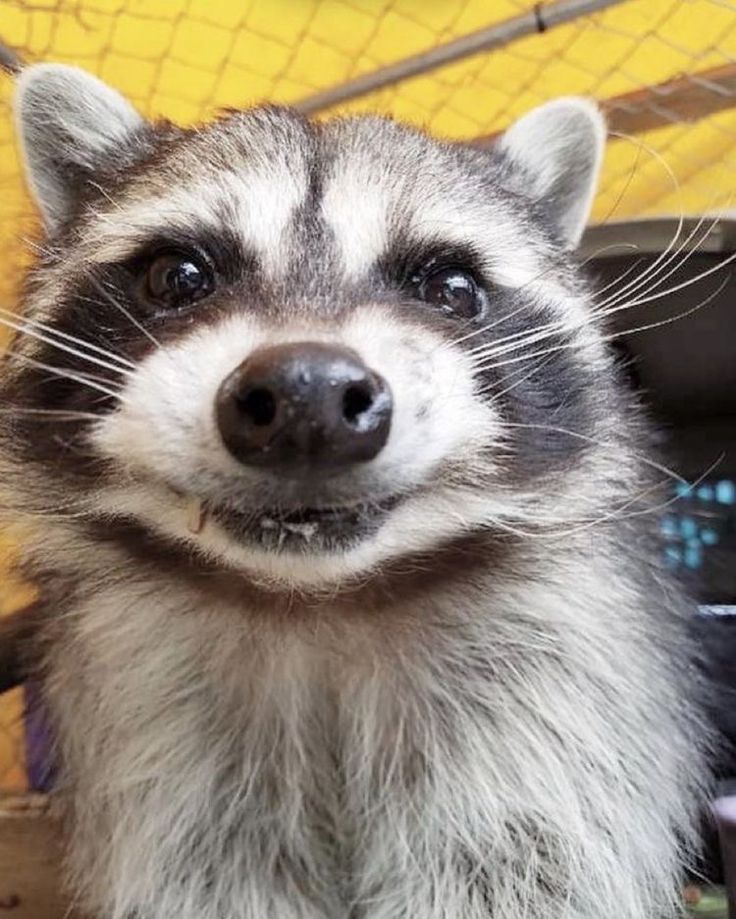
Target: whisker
[(615, 514), (619, 278), (81, 342), (492, 354), (676, 186), (555, 429), (64, 373), (523, 306), (57, 414), (648, 276), (675, 498), (551, 328), (28, 330), (526, 337), (681, 286), (497, 396), (637, 282), (128, 315), (617, 247), (516, 340), (629, 179)]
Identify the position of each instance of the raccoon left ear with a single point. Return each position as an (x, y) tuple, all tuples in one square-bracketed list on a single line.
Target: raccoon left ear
[(70, 125), (559, 148)]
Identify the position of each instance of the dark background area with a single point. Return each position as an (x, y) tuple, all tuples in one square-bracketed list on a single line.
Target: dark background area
[(685, 369)]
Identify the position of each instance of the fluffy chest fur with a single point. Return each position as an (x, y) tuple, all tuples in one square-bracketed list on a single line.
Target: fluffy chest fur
[(485, 746)]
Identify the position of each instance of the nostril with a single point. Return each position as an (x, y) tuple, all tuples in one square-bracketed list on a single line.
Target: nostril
[(259, 405), (356, 400)]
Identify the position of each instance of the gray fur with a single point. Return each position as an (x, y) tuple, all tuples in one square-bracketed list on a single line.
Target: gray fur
[(484, 710), (559, 147), (68, 122)]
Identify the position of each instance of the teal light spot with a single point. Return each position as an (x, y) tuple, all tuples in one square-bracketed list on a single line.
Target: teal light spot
[(725, 492), (688, 528), (672, 556), (668, 526), (692, 556), (683, 490), (709, 537), (705, 493)]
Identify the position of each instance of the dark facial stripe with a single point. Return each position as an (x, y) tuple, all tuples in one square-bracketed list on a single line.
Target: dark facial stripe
[(545, 384)]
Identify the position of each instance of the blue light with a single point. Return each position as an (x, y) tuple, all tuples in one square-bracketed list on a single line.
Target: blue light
[(705, 493), (709, 537), (726, 492), (683, 490), (688, 528), (668, 526), (692, 556), (672, 556)]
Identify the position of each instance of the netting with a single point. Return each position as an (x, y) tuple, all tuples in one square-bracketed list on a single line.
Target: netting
[(664, 69)]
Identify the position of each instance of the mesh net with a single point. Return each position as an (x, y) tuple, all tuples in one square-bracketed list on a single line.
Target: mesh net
[(665, 70)]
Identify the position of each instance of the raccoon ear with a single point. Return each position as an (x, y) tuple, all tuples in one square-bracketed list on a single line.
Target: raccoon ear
[(559, 148), (69, 124)]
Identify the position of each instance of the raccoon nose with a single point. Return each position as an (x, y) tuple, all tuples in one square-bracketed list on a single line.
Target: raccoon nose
[(301, 404)]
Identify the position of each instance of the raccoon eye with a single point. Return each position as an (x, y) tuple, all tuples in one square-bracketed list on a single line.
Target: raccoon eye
[(176, 279), (455, 291)]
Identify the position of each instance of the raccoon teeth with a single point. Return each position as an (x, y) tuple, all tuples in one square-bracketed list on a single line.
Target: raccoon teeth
[(307, 531), (196, 515)]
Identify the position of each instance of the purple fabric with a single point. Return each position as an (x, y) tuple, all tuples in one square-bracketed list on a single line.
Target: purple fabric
[(39, 765)]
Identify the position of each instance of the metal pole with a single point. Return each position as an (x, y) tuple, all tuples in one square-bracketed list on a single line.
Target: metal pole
[(540, 18)]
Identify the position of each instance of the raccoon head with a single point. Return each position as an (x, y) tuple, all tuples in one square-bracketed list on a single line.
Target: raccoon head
[(303, 349)]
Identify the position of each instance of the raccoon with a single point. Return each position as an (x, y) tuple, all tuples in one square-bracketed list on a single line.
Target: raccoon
[(342, 521)]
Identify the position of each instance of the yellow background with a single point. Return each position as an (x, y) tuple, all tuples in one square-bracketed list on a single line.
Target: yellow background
[(185, 60)]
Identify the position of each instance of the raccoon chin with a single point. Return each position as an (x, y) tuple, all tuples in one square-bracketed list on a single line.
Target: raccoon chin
[(302, 529)]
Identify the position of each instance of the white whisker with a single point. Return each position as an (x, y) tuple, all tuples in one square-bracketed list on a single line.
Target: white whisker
[(80, 342), (648, 276), (26, 329), (57, 414), (555, 429), (483, 366), (66, 374), (128, 315)]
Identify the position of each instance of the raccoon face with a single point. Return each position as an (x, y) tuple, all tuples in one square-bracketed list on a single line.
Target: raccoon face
[(302, 349)]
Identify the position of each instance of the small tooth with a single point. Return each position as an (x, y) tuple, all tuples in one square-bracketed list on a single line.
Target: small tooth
[(305, 530), (196, 515)]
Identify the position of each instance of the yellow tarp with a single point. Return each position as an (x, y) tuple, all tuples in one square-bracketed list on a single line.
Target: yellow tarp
[(184, 60)]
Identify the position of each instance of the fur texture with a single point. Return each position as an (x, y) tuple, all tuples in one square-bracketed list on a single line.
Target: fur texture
[(476, 705)]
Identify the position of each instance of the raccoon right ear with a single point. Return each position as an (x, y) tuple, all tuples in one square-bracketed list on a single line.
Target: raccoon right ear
[(557, 150), (69, 123)]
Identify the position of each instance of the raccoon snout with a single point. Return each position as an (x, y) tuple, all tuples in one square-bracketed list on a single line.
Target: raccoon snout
[(303, 404)]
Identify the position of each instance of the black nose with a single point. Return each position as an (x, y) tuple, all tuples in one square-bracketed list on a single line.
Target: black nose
[(303, 403)]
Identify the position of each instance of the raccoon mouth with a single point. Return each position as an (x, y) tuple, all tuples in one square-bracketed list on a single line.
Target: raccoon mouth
[(302, 529)]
